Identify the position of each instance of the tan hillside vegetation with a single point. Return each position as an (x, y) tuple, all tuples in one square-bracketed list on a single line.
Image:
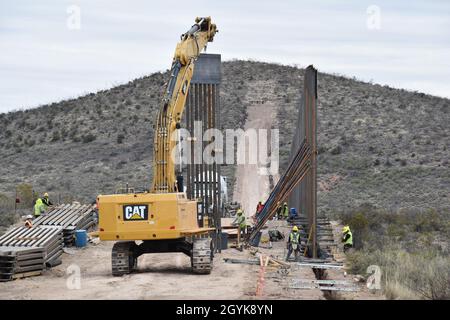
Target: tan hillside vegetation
[(377, 145)]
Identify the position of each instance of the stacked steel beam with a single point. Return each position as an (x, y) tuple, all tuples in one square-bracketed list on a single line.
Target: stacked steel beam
[(24, 252), (294, 174), (17, 262), (70, 217)]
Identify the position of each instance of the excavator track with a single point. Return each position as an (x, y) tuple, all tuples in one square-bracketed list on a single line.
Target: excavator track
[(123, 260), (202, 258)]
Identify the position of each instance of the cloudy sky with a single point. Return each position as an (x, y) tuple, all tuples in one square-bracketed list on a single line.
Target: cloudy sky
[(54, 50)]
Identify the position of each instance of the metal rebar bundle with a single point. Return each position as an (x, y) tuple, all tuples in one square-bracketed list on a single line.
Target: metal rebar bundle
[(294, 174)]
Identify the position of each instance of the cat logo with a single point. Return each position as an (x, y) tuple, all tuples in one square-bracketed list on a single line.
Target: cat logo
[(135, 212)]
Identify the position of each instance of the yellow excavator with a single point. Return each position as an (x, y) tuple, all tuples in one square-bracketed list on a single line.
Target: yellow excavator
[(162, 220)]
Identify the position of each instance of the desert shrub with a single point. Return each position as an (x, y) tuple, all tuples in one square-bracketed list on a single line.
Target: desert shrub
[(26, 195), (336, 150), (120, 164), (30, 142), (402, 244), (64, 133), (405, 275), (88, 138), (55, 136), (6, 211)]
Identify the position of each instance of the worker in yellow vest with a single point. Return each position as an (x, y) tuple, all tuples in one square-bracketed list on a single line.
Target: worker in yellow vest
[(347, 238), (46, 201), (240, 220), (42, 205), (293, 243), (285, 211)]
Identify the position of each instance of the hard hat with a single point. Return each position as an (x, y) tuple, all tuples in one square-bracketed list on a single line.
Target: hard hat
[(239, 211), (295, 228), (285, 203), (346, 229), (29, 217), (46, 195)]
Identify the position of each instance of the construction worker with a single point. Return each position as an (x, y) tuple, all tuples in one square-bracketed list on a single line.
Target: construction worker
[(347, 238), (259, 207), (240, 220), (293, 243), (41, 205), (279, 208), (285, 211), (29, 221), (46, 201)]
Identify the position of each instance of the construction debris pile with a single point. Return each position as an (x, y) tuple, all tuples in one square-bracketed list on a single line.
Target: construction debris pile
[(27, 252)]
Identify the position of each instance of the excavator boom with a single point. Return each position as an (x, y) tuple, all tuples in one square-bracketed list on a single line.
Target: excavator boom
[(174, 100)]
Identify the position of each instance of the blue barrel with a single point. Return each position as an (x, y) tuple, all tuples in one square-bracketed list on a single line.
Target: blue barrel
[(224, 243), (80, 238)]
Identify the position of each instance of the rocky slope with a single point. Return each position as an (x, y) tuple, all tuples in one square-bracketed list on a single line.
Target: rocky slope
[(377, 145)]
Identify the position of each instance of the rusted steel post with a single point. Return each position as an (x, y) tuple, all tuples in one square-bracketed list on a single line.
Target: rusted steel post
[(205, 178), (304, 196)]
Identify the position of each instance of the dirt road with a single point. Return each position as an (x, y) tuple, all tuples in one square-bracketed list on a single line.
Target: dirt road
[(159, 276), (251, 184)]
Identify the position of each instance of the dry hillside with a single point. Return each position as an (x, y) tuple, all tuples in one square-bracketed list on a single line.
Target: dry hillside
[(378, 145)]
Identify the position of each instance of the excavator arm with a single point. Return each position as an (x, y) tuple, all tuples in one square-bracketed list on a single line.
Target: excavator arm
[(174, 100)]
